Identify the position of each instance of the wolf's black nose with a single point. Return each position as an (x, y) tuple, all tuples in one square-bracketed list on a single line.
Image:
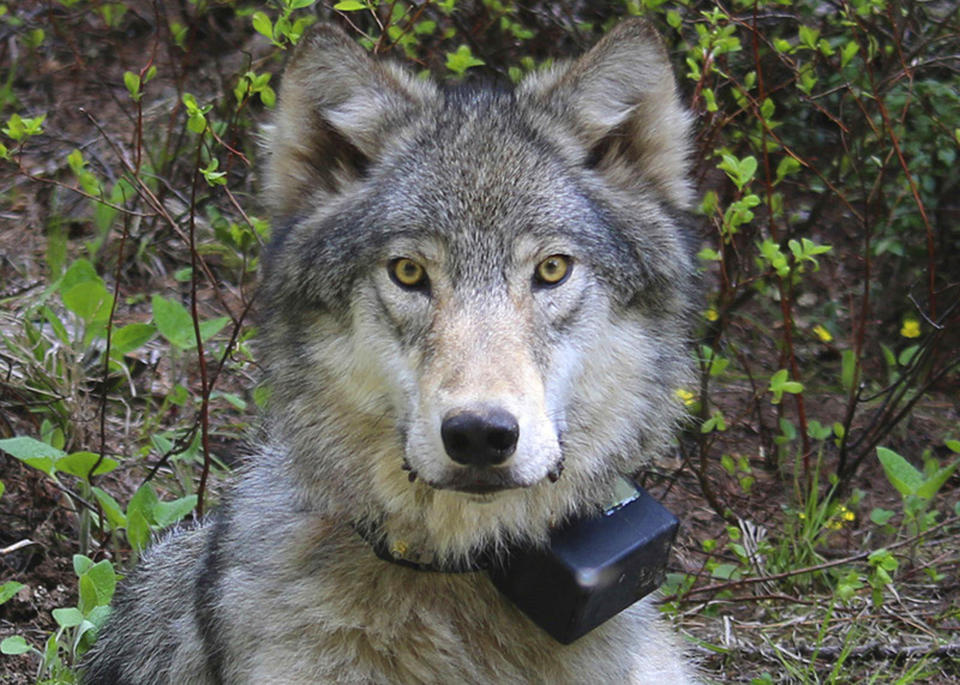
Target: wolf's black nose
[(482, 438)]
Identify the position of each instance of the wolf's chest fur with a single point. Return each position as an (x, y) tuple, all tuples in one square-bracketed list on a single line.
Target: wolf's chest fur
[(379, 622)]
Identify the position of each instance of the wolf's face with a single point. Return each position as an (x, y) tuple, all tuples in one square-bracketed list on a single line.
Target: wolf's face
[(487, 309), (482, 409), (474, 291)]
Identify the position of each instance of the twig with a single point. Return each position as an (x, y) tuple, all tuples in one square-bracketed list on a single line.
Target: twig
[(17, 545)]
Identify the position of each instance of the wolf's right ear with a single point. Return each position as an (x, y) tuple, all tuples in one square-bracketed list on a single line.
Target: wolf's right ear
[(621, 101), (337, 108)]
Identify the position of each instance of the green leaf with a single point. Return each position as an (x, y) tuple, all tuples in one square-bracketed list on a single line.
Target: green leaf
[(97, 616), (176, 325), (167, 513), (81, 563), (138, 530), (724, 571), (262, 24), (80, 271), (67, 617), (268, 97), (104, 582), (132, 82), (848, 369), (235, 400), (25, 447), (461, 60), (883, 559), (901, 473), (953, 445), (130, 337), (808, 36), (888, 357), (88, 593), (32, 452), (211, 327), (51, 648), (740, 171), (174, 322), (9, 589), (848, 52), (56, 324), (88, 300), (178, 396), (767, 110), (881, 516), (779, 385), (143, 502), (817, 431), (197, 123), (349, 6), (19, 128), (787, 166), (79, 464), (907, 355), (710, 203), (931, 486), (111, 509), (13, 645)]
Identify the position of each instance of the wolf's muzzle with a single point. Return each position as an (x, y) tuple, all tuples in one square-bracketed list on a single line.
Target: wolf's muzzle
[(485, 437)]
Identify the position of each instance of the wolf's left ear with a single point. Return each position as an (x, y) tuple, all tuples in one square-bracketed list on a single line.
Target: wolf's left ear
[(337, 110), (621, 101)]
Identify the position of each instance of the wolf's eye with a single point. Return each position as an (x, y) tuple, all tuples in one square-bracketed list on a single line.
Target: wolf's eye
[(407, 273), (553, 270)]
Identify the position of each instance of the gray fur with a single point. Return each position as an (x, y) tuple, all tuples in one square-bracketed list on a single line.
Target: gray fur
[(477, 185)]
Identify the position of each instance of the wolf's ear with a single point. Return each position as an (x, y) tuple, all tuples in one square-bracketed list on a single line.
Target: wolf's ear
[(621, 100), (337, 108)]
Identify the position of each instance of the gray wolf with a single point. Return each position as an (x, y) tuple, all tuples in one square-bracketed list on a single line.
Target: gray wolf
[(476, 307)]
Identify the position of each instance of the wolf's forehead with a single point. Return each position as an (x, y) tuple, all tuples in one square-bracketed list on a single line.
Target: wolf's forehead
[(482, 171)]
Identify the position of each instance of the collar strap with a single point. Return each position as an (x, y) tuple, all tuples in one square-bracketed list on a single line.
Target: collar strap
[(400, 554)]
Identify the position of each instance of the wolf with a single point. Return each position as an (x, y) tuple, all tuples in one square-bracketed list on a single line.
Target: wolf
[(476, 308)]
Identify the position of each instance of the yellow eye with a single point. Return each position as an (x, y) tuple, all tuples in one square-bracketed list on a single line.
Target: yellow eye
[(407, 273), (553, 270)]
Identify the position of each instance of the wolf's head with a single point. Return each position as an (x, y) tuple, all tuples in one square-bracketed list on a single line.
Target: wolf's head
[(475, 290)]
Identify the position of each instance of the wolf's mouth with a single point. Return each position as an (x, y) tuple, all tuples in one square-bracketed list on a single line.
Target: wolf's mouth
[(478, 483), (483, 481), (482, 488)]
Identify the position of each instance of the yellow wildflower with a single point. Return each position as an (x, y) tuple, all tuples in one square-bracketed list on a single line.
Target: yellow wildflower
[(687, 397), (911, 328), (711, 314), (822, 333)]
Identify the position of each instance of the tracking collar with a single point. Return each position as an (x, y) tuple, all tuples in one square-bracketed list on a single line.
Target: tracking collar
[(401, 553), (593, 567)]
